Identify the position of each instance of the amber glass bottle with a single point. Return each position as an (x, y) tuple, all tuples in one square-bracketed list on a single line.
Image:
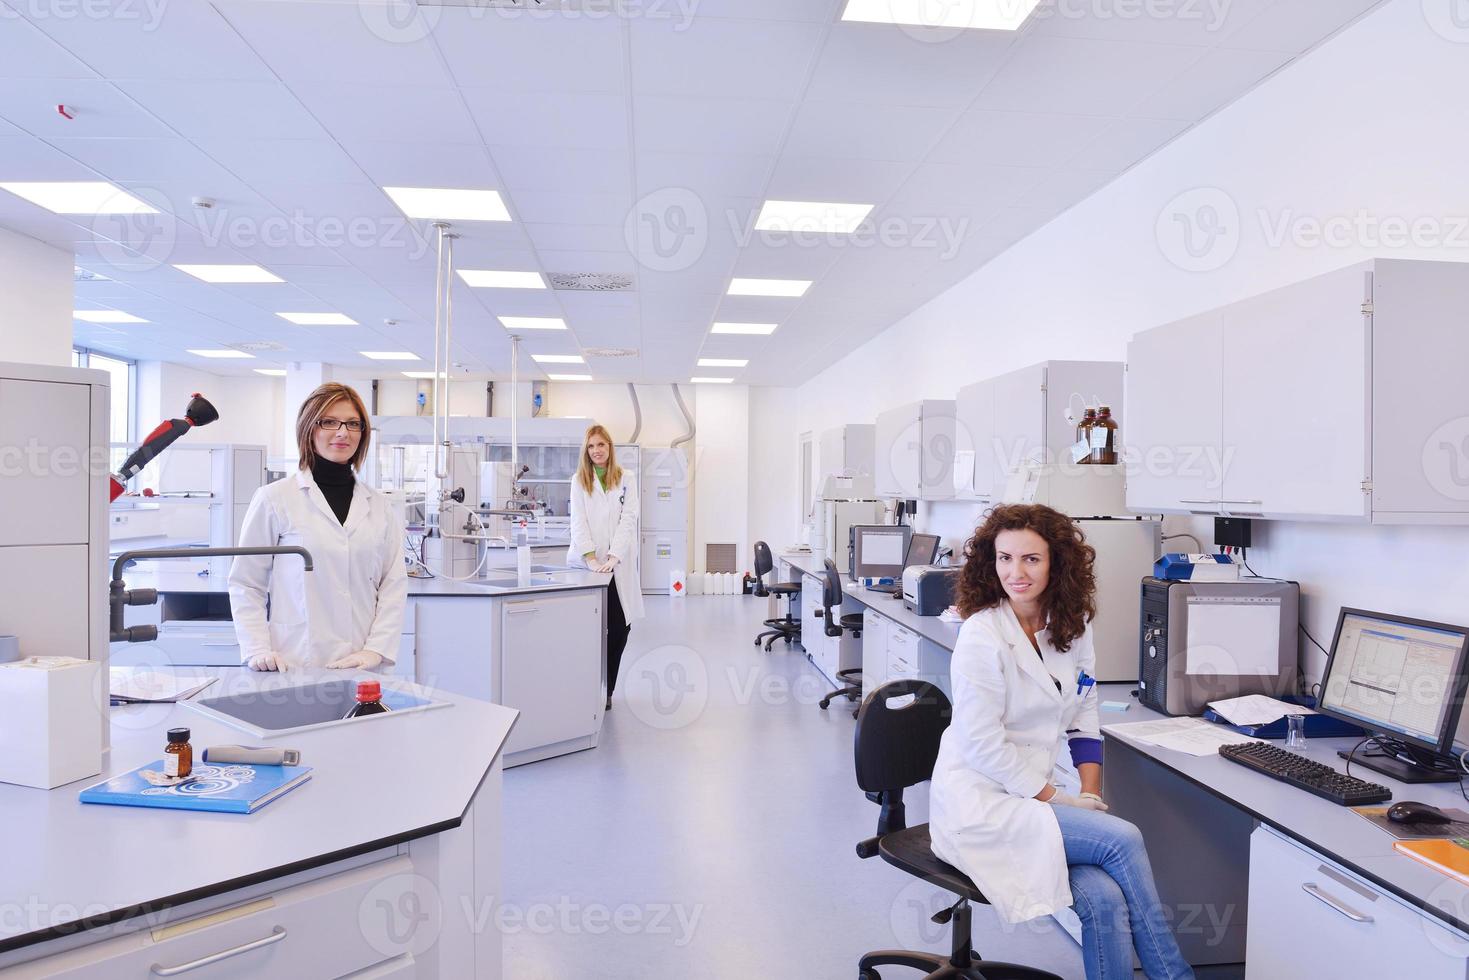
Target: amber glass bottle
[(178, 755), (1084, 433), (1104, 438)]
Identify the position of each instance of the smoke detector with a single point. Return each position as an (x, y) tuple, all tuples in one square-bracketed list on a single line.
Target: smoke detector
[(610, 351), (599, 282), (257, 346)]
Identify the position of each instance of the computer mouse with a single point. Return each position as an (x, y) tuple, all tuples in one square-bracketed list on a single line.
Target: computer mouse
[(1410, 812)]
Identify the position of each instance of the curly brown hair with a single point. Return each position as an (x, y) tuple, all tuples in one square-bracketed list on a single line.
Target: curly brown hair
[(1069, 599)]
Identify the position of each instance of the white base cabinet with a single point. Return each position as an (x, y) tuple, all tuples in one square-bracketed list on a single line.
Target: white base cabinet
[(1309, 917)]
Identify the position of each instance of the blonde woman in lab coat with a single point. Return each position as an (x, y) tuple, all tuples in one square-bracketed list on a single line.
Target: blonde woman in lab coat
[(347, 613), (1021, 677), (604, 538)]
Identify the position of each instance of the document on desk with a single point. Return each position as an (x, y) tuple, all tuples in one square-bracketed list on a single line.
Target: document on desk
[(1192, 735), (1256, 709), (151, 684)]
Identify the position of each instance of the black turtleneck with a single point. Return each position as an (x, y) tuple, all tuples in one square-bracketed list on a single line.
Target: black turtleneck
[(336, 481)]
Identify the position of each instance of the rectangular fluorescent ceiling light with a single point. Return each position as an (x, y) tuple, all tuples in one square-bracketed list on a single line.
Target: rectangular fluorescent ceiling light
[(558, 358), (223, 352), (271, 372), (811, 216), (229, 273), (448, 204), (763, 329), (734, 362), (497, 279), (424, 375), (711, 381), (319, 319), (389, 355), (990, 15), (79, 197), (105, 316), (769, 287), (569, 377), (533, 322)]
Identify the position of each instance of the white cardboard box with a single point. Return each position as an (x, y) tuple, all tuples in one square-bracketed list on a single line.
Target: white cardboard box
[(49, 731)]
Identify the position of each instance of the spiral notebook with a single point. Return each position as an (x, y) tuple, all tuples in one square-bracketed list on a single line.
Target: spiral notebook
[(219, 788)]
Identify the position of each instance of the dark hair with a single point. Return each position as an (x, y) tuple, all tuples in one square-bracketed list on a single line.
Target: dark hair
[(1069, 598), (314, 407)]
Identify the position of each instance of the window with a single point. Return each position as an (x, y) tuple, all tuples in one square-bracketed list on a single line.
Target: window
[(124, 402)]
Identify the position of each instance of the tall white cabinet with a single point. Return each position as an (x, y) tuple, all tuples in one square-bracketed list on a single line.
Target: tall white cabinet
[(847, 449), (914, 453), (1028, 415), (1334, 399)]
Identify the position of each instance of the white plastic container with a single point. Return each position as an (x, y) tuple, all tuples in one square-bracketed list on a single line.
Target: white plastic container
[(729, 583), (678, 587), (709, 587), (696, 583), (50, 732)]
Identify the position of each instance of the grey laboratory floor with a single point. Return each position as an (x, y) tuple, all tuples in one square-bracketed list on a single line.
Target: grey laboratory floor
[(711, 833)]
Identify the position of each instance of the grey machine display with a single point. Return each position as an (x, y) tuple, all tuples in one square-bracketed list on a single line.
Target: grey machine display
[(1206, 641)]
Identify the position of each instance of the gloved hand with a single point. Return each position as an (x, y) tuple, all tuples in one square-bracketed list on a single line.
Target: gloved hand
[(1086, 801), (361, 660), (266, 661), (607, 565)]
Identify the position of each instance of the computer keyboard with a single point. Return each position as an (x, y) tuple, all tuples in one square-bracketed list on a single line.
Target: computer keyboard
[(1303, 773)]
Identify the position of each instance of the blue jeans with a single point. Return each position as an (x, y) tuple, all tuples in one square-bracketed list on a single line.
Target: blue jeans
[(1116, 899)]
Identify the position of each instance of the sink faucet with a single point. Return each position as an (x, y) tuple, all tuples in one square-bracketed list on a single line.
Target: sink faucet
[(120, 595)]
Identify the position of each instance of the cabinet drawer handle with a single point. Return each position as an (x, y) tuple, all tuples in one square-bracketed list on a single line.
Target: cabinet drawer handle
[(1183, 500), (276, 935), (1310, 888), (522, 610), (1248, 503), (233, 644)]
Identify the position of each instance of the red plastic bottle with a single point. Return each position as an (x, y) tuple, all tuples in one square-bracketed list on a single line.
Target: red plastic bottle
[(369, 700)]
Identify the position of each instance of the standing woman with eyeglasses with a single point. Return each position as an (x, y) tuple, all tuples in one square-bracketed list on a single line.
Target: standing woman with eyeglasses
[(347, 612)]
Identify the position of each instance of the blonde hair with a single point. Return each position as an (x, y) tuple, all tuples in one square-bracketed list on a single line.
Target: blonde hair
[(312, 410), (585, 474)]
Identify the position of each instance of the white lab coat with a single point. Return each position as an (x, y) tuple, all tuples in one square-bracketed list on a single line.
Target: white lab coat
[(1009, 727), (606, 522), (352, 600)]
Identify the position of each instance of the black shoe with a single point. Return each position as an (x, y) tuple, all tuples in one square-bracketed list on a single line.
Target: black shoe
[(609, 702)]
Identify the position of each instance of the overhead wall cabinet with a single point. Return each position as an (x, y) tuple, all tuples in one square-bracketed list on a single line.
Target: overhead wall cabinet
[(1334, 399), (1028, 415), (847, 449), (914, 453)]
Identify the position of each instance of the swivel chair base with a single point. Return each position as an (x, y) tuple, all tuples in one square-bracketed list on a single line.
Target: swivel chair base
[(851, 689), (937, 967)]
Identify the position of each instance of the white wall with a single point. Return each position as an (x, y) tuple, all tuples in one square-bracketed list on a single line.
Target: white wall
[(251, 410), (1358, 133), (722, 478), (774, 452), (35, 301)]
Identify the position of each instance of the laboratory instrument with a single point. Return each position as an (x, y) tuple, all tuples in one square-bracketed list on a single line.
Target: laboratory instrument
[(198, 413), (245, 755), (877, 550), (928, 590)]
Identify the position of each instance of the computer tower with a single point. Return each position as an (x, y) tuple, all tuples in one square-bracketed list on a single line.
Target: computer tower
[(1207, 641)]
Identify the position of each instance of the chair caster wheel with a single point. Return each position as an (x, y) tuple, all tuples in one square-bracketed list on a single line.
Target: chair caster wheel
[(824, 703), (869, 975), (757, 643), (855, 712)]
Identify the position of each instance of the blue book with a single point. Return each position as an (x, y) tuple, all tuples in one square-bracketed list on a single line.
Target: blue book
[(221, 788)]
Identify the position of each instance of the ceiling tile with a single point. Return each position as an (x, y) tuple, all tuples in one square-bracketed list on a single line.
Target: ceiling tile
[(881, 64), (425, 164), (559, 207), (98, 107), (836, 178), (813, 11), (543, 51), (1016, 139), (27, 158), (867, 131), (1180, 22), (576, 238), (161, 160), (564, 169), (1098, 78), (409, 113), (1221, 76), (676, 124), (1124, 143), (707, 175), (1295, 25), (27, 52), (1063, 188), (157, 39), (275, 161), (717, 58), (596, 120), (206, 109)]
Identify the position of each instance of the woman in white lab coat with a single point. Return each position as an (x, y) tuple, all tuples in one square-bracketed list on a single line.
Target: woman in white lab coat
[(604, 538), (348, 611), (1021, 678)]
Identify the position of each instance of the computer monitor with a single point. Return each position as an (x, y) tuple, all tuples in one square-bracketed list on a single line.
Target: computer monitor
[(878, 550), (1400, 678), (922, 550)]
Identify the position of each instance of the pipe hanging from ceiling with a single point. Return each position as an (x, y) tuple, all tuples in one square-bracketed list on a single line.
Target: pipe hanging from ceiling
[(688, 420)]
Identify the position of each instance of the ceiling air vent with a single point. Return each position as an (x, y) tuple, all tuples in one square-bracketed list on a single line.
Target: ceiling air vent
[(610, 351), (258, 346), (599, 282)]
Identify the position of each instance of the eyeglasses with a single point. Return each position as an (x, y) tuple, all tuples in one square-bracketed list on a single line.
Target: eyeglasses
[(332, 425)]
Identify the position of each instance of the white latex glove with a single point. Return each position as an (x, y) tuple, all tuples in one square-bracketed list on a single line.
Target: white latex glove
[(361, 660), (608, 564), (1086, 801), (266, 661)]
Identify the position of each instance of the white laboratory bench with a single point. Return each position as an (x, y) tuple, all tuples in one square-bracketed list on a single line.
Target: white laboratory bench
[(363, 870), (538, 648)]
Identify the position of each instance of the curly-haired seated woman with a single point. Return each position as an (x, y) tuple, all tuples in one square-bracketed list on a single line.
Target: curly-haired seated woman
[(1019, 677)]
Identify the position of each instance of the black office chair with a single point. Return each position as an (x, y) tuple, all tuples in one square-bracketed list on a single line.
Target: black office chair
[(895, 748), (787, 627), (831, 598)]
